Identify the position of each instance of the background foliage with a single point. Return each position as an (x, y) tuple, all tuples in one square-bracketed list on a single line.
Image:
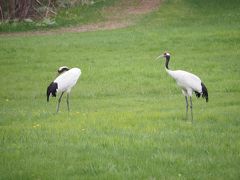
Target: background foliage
[(21, 9), (36, 15)]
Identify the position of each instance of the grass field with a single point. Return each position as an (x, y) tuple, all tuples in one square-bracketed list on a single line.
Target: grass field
[(127, 115)]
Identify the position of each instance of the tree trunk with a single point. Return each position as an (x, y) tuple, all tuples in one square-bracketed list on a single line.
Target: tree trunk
[(23, 7), (1, 9), (12, 7)]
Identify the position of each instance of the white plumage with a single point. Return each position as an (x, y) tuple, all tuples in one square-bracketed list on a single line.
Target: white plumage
[(188, 82), (63, 83), (67, 80)]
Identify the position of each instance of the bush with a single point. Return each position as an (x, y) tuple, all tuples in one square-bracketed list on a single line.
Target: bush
[(35, 9)]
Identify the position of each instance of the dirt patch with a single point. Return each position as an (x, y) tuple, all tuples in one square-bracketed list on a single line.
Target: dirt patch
[(143, 7), (119, 16), (129, 10), (108, 25)]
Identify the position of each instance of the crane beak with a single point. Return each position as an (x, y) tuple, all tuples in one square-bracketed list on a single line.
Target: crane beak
[(162, 55)]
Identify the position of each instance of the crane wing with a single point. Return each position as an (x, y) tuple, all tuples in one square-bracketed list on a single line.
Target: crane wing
[(187, 80), (68, 79)]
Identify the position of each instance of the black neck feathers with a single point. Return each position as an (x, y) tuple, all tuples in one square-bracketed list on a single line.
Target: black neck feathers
[(62, 70), (167, 61), (52, 89)]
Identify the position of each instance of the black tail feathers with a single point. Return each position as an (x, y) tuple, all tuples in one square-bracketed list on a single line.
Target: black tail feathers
[(197, 94), (52, 89), (204, 92)]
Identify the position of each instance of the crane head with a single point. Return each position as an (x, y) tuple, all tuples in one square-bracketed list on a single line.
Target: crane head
[(62, 69), (165, 54)]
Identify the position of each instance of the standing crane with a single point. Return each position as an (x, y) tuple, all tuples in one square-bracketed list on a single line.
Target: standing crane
[(188, 82), (63, 83)]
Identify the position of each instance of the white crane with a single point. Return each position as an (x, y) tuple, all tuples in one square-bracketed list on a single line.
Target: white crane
[(63, 83), (188, 82)]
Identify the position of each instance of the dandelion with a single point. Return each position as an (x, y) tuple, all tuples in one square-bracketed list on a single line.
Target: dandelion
[(37, 125)]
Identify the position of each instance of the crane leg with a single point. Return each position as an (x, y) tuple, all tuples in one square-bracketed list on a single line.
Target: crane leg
[(191, 106), (59, 101), (68, 102), (186, 107)]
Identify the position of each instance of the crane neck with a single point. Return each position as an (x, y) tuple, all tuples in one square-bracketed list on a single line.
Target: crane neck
[(167, 62), (170, 72)]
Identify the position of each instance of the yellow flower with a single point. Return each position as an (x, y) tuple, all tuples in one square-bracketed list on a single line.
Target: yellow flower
[(37, 125)]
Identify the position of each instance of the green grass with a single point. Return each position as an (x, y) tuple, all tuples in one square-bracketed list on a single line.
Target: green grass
[(127, 115)]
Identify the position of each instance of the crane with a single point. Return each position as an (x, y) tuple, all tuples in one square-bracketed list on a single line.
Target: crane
[(66, 79), (188, 82)]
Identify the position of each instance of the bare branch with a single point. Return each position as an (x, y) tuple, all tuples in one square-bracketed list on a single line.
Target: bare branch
[(1, 13), (49, 2)]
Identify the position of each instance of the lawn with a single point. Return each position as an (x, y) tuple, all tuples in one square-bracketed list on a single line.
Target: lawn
[(127, 118)]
